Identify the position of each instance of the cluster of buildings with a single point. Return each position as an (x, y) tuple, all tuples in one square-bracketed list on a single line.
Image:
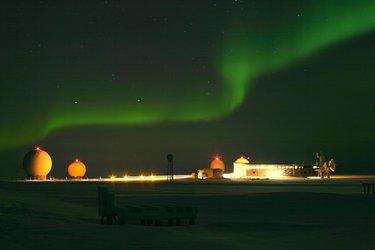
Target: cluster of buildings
[(242, 168), (38, 163)]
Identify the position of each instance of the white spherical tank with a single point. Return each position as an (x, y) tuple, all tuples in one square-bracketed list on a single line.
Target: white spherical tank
[(37, 163), (217, 163), (77, 169)]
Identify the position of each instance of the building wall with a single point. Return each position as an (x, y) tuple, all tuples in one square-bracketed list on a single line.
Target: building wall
[(272, 170), (239, 170)]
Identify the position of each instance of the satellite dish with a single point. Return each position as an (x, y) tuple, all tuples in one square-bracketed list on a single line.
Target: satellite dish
[(332, 165)]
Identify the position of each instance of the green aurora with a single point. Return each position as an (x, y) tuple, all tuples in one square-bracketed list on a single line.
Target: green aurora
[(246, 53)]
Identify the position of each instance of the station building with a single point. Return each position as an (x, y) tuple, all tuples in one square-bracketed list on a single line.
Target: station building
[(242, 168)]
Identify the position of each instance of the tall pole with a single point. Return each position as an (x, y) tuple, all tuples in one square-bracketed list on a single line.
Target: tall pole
[(170, 168)]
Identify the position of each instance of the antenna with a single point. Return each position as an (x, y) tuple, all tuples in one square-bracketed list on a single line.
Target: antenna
[(324, 168), (332, 165), (170, 168)]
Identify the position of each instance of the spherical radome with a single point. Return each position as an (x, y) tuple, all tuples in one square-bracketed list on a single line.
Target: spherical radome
[(37, 163), (77, 169), (217, 164), (242, 160)]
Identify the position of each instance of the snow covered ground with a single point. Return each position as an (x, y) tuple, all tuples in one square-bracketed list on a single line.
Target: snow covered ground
[(267, 214)]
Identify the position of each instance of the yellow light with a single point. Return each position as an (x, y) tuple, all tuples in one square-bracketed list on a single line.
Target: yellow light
[(314, 177), (228, 175), (274, 173), (113, 177)]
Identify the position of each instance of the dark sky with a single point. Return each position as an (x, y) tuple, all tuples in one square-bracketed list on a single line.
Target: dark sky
[(120, 84)]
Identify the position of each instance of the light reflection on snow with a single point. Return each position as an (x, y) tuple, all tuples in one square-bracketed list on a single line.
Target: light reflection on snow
[(113, 178)]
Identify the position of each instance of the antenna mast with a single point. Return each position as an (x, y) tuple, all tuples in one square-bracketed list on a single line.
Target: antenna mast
[(170, 168)]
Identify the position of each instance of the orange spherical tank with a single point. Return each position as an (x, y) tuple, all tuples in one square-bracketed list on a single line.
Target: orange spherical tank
[(217, 164), (37, 164), (77, 169)]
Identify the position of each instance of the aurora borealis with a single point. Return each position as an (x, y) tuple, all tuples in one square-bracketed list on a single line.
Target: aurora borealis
[(250, 53), (168, 70)]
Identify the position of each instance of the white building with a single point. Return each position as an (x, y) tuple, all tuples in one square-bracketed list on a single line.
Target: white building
[(243, 169)]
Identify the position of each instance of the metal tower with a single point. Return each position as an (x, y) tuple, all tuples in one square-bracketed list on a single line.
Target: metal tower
[(170, 168)]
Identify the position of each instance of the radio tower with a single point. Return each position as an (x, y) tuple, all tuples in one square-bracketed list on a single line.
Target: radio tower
[(170, 168)]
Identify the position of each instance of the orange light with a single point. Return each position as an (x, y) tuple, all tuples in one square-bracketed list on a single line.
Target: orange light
[(76, 160)]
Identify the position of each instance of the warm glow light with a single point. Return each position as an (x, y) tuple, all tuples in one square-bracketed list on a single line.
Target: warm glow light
[(123, 178), (217, 158), (76, 160), (37, 148), (314, 177), (274, 173), (229, 175)]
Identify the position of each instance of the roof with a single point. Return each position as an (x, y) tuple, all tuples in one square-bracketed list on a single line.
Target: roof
[(242, 160)]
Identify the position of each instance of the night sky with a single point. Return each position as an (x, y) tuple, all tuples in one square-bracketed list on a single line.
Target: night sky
[(120, 84)]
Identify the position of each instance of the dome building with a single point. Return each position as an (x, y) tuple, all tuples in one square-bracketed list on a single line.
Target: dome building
[(77, 169), (216, 169), (37, 163), (217, 166), (217, 163)]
